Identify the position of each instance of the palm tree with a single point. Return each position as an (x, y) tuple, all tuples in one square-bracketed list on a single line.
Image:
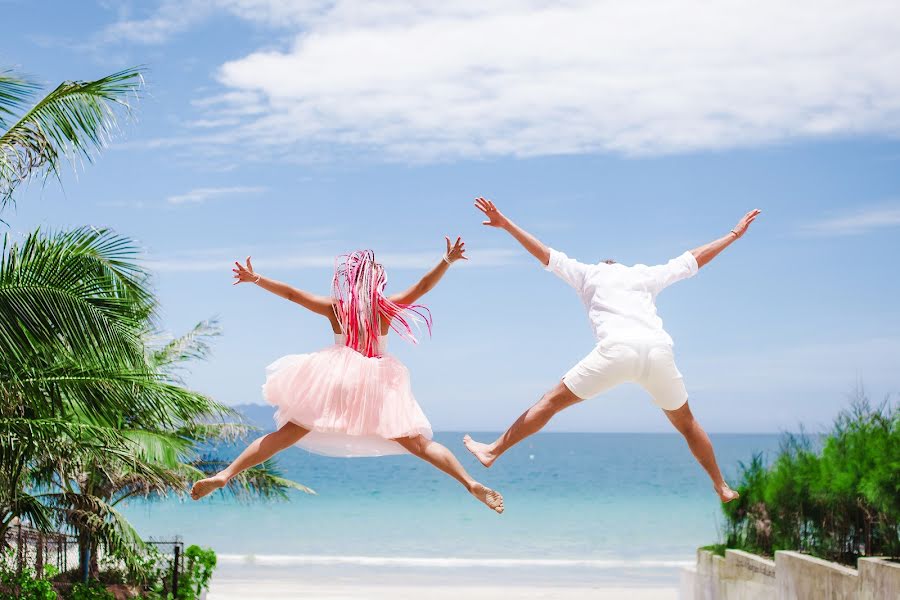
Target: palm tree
[(91, 411), (164, 460), (72, 309)]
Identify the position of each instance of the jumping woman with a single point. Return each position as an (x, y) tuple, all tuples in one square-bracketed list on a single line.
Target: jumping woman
[(352, 398)]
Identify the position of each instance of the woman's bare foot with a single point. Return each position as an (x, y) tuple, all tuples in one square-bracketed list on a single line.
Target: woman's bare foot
[(481, 451), (726, 494), (207, 486), (491, 499)]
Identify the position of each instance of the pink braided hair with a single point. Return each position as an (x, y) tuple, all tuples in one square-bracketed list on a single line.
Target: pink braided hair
[(360, 303)]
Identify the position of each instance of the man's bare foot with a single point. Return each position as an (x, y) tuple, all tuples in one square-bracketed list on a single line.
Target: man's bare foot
[(207, 486), (481, 451), (492, 499), (726, 494)]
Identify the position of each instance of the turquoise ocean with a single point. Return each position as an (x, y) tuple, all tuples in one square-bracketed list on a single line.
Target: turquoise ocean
[(581, 508)]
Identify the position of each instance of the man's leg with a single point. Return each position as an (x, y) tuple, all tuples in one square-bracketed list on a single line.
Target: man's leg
[(531, 421), (701, 447)]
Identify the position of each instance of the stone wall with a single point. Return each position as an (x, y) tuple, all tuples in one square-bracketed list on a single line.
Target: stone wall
[(791, 576)]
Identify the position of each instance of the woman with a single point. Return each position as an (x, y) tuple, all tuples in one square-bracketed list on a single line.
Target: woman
[(351, 399)]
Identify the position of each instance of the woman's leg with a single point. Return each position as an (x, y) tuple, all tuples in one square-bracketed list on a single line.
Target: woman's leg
[(260, 450), (701, 447), (439, 456)]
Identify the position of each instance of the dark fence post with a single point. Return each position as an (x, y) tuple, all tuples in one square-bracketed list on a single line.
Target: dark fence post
[(39, 556), (175, 571), (20, 550), (85, 563)]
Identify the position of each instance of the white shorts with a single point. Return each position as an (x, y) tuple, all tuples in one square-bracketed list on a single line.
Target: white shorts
[(610, 363)]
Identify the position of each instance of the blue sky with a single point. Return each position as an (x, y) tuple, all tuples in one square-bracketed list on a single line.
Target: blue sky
[(294, 131)]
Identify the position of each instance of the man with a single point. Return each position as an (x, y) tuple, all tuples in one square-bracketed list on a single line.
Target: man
[(631, 342)]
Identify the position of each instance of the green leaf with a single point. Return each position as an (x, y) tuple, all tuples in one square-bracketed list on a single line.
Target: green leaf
[(14, 93), (73, 121)]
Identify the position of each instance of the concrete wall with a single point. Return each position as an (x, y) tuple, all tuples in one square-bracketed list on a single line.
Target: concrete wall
[(737, 576), (878, 578), (802, 576), (791, 576)]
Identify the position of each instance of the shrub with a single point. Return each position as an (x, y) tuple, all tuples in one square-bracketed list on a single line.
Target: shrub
[(839, 502), (92, 590), (24, 585), (201, 562)]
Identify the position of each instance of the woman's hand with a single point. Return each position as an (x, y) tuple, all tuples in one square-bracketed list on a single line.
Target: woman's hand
[(495, 217), (741, 228), (245, 274), (457, 251)]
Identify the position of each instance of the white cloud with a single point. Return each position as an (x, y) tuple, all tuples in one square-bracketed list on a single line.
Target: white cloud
[(200, 195), (169, 19), (417, 80), (857, 223), (414, 81), (204, 261)]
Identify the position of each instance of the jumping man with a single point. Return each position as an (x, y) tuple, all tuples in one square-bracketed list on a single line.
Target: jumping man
[(631, 342)]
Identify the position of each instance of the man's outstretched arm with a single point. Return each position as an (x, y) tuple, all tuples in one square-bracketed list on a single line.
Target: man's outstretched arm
[(497, 219), (709, 251)]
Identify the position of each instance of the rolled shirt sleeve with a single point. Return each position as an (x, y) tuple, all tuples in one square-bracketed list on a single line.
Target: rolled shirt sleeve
[(568, 269), (680, 267)]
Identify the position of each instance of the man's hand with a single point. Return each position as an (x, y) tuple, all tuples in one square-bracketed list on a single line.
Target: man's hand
[(707, 252), (494, 216), (496, 219), (741, 228)]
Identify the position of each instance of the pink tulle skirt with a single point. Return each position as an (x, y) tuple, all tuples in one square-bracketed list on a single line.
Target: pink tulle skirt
[(353, 405)]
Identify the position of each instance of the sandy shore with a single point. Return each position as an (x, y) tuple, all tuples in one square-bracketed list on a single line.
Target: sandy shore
[(277, 590), (359, 578)]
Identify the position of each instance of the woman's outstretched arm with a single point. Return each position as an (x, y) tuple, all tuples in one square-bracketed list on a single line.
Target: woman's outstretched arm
[(709, 251), (454, 253), (536, 247), (318, 304)]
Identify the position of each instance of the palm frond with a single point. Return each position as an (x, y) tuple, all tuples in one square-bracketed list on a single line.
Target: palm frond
[(78, 290), (90, 513), (14, 93), (215, 432), (160, 448), (105, 394), (262, 481), (30, 436), (35, 512), (72, 121), (194, 345)]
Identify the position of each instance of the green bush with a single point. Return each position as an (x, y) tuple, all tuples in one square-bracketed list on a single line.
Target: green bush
[(92, 590), (24, 585), (839, 502), (199, 567)]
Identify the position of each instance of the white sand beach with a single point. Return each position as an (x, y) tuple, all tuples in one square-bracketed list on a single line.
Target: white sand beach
[(225, 589), (273, 579)]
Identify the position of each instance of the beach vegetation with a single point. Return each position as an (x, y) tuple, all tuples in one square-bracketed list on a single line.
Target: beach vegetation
[(22, 583), (94, 411), (836, 497), (200, 564), (90, 590)]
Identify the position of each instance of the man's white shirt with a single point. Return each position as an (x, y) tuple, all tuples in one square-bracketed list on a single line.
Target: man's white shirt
[(621, 300)]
